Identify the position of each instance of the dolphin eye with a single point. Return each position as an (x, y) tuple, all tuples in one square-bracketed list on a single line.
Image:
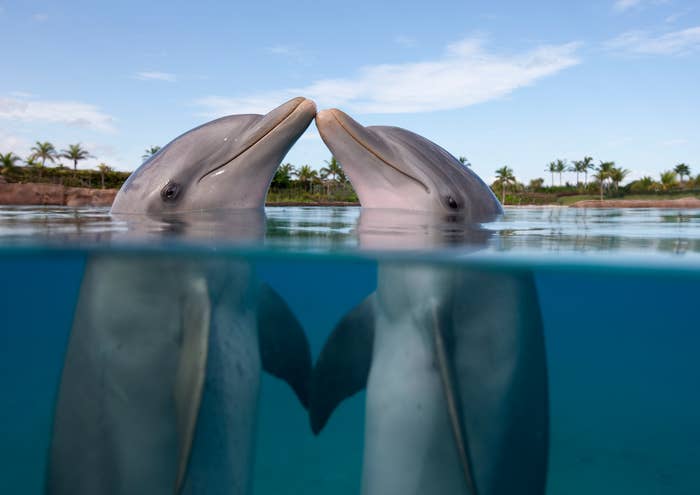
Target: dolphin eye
[(170, 191), (452, 202)]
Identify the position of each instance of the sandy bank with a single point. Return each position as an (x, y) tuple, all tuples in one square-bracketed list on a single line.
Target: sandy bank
[(689, 202), (54, 194)]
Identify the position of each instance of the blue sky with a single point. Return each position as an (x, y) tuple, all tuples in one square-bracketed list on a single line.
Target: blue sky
[(503, 83)]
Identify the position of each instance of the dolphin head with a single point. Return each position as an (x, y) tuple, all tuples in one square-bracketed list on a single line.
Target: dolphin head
[(227, 163), (393, 168)]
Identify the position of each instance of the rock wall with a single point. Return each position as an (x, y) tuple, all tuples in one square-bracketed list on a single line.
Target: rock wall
[(54, 194)]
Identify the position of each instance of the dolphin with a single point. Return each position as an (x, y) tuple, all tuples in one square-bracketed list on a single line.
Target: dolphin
[(392, 168), (227, 163), (159, 388), (452, 358)]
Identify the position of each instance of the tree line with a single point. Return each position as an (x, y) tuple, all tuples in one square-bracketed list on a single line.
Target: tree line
[(606, 180), (291, 183), (34, 167)]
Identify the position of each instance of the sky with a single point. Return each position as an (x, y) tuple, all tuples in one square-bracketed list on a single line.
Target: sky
[(503, 83)]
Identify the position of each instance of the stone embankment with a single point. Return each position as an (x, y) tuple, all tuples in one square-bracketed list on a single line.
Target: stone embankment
[(689, 202), (54, 194)]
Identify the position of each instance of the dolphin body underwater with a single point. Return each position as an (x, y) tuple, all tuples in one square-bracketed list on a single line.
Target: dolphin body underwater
[(160, 382), (453, 359)]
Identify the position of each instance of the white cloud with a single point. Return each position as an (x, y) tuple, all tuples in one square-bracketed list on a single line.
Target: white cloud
[(40, 17), (155, 76), (622, 5), (71, 113), (643, 43), (466, 74)]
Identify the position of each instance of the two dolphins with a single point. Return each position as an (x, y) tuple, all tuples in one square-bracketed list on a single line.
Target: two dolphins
[(457, 389)]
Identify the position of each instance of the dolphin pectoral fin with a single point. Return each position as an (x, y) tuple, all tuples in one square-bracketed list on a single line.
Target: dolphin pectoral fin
[(191, 370), (343, 367), (284, 348)]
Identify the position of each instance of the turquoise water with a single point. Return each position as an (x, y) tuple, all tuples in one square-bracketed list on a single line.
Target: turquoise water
[(617, 291)]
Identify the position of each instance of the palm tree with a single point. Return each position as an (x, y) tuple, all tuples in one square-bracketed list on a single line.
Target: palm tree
[(587, 165), (682, 169), (104, 169), (307, 175), (505, 177), (8, 161), (333, 169), (668, 179), (75, 153), (617, 175), (150, 152), (551, 169), (560, 167), (463, 160), (576, 168), (603, 173), (580, 167), (283, 176), (44, 151)]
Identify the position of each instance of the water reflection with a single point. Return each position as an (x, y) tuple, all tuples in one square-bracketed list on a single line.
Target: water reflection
[(526, 231)]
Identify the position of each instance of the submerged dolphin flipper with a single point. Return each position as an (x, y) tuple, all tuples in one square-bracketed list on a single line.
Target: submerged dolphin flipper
[(343, 366), (191, 369), (284, 348)]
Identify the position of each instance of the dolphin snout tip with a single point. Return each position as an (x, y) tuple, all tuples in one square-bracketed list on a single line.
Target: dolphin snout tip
[(309, 105), (304, 105), (327, 116)]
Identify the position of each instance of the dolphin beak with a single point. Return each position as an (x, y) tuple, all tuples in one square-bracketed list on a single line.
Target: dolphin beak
[(284, 124), (335, 125), (358, 149)]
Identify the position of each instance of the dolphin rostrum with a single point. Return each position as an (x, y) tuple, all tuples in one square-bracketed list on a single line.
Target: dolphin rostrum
[(159, 388), (453, 358)]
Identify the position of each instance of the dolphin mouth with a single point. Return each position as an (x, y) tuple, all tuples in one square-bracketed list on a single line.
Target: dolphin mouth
[(338, 117), (268, 124)]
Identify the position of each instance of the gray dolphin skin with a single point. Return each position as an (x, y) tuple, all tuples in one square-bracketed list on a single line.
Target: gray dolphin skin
[(393, 168), (453, 359), (224, 164), (161, 375), (160, 382)]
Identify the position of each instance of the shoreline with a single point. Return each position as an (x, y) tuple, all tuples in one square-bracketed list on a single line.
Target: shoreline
[(687, 202), (40, 194)]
